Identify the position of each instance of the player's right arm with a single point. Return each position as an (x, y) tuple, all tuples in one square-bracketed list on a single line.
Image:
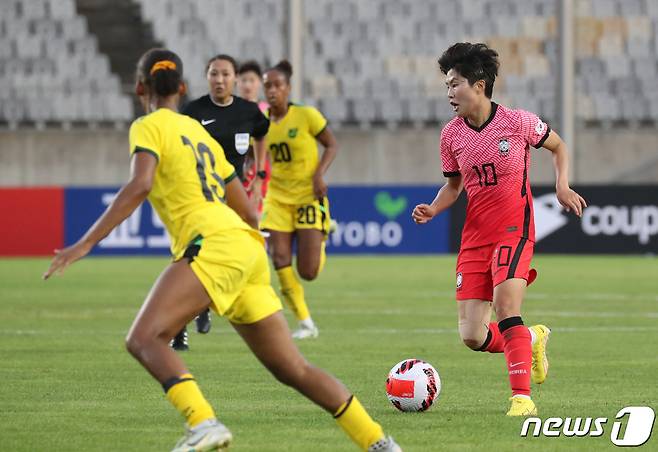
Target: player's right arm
[(131, 195), (451, 190), (237, 199), (235, 194), (445, 198)]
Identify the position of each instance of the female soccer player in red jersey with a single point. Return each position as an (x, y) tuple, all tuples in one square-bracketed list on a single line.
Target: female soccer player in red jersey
[(250, 85), (219, 261), (485, 150)]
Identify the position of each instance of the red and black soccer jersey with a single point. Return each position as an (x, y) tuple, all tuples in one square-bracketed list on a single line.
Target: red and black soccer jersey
[(494, 160)]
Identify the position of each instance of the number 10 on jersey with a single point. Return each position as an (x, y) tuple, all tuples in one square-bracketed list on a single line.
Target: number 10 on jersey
[(488, 173)]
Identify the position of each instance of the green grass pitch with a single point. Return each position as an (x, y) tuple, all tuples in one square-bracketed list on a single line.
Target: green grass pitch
[(67, 384)]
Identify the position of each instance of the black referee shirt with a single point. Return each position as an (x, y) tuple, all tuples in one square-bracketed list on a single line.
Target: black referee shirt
[(232, 126)]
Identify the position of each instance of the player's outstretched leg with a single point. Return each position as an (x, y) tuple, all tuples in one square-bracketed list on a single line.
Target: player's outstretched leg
[(175, 299), (518, 355), (292, 291), (540, 335), (517, 346), (271, 342), (311, 257)]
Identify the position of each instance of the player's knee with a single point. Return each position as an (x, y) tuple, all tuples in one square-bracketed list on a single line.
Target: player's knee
[(307, 272), (138, 341), (134, 343), (290, 375), (472, 334), (505, 310), (281, 260), (472, 343)]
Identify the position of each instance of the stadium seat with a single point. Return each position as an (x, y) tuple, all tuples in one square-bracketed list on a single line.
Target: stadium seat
[(634, 108), (47, 47), (606, 107), (585, 107), (653, 108), (363, 109), (418, 109), (390, 111), (386, 49), (335, 110), (604, 8)]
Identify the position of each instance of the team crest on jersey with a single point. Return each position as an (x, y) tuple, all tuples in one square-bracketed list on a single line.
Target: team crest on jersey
[(460, 279), (540, 128), (503, 147), (292, 133)]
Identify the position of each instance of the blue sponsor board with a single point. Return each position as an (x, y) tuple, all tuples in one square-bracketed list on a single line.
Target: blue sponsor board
[(141, 233), (370, 220), (378, 220)]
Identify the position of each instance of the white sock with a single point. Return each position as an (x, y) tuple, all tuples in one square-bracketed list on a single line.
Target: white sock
[(307, 323), (533, 336), (522, 395)]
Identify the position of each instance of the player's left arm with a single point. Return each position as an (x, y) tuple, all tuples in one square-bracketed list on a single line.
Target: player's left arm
[(131, 195), (328, 140), (569, 199)]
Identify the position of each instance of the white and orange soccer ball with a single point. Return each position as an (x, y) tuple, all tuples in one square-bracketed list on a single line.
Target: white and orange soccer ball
[(413, 385)]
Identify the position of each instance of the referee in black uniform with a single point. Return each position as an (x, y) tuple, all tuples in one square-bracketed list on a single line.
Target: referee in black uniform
[(233, 122)]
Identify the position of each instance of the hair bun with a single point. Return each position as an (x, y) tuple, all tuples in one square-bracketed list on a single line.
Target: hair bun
[(285, 66)]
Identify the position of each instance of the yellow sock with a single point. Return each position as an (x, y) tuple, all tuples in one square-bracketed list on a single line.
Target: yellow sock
[(293, 292), (185, 395), (357, 423), (323, 257)]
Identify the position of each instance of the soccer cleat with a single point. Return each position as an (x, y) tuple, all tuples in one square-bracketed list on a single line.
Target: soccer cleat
[(179, 342), (305, 332), (539, 359), (210, 435), (386, 444), (203, 322), (522, 406)]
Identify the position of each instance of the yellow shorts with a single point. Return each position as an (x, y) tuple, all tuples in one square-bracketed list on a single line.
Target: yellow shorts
[(278, 216), (233, 267)]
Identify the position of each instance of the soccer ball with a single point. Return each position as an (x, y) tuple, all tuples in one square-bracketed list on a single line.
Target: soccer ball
[(413, 385)]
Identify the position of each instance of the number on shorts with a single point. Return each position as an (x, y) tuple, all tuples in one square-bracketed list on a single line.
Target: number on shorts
[(306, 215)]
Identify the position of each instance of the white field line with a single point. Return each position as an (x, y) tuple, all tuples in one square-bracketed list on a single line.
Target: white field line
[(602, 329), (530, 313), (87, 314), (424, 294), (227, 330)]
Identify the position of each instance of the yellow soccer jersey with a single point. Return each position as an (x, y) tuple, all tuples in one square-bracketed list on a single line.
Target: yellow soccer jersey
[(189, 185), (294, 153)]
